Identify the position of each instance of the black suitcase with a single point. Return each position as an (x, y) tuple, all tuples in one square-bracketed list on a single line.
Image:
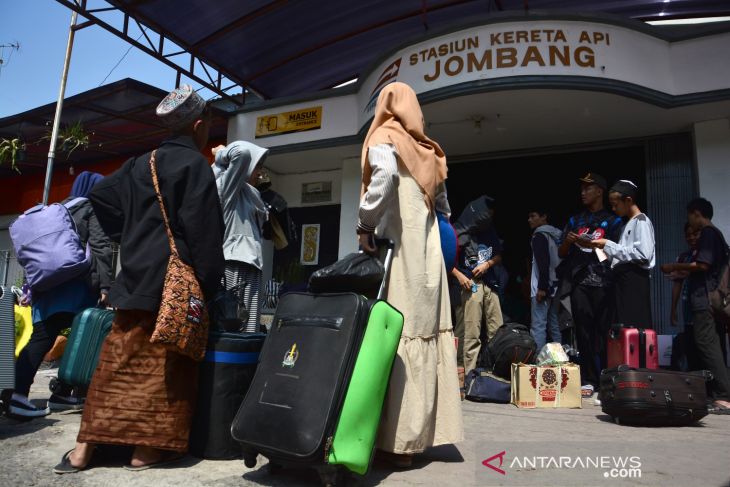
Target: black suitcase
[(654, 397), (224, 377), (290, 412)]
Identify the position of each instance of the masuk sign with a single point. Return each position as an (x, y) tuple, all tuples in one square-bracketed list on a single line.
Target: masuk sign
[(537, 48)]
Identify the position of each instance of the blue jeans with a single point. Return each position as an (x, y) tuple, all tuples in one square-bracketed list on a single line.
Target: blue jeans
[(544, 319)]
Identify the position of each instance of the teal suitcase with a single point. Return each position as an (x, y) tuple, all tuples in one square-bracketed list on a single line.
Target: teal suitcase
[(88, 331)]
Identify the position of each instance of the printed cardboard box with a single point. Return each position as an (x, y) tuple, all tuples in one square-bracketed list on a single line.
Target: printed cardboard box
[(546, 387)]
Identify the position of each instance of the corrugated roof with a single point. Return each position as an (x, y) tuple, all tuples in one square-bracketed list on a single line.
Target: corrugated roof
[(119, 118), (281, 48)]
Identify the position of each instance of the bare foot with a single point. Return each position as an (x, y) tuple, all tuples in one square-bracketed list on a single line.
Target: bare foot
[(724, 404), (145, 455), (81, 456)]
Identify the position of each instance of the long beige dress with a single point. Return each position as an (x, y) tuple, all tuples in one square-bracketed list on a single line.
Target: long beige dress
[(423, 405)]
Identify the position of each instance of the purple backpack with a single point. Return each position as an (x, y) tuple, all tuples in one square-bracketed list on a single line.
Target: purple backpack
[(48, 246)]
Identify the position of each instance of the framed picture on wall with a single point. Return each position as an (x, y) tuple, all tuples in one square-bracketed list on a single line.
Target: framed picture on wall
[(310, 244)]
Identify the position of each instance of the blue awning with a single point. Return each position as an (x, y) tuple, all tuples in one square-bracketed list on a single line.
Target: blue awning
[(281, 48)]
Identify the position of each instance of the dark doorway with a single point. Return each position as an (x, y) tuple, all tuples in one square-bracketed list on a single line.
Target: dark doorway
[(551, 180)]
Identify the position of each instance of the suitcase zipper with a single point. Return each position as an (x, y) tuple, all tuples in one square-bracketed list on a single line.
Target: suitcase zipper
[(327, 447), (322, 322)]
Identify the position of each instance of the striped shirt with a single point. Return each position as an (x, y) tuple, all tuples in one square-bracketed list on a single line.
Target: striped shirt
[(383, 188)]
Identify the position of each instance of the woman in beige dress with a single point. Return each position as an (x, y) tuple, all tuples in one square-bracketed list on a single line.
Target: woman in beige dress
[(403, 174)]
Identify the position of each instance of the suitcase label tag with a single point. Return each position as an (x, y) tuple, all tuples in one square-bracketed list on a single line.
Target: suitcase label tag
[(290, 357)]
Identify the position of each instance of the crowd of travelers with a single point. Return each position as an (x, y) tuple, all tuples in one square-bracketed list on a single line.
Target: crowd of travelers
[(142, 393)]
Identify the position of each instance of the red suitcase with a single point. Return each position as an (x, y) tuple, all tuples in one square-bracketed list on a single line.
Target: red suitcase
[(635, 347)]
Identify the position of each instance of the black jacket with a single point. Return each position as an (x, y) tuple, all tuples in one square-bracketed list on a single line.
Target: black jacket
[(90, 232), (128, 211)]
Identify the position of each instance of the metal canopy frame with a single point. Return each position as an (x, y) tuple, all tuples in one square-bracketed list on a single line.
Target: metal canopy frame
[(156, 43)]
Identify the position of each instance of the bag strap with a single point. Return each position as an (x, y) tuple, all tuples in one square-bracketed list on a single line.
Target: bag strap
[(156, 183), (74, 202)]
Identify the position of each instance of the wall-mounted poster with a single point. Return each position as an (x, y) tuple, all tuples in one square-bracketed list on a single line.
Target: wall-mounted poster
[(310, 244)]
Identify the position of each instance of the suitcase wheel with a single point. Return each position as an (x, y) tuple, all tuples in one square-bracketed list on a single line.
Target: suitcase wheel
[(55, 385), (333, 477), (249, 459)]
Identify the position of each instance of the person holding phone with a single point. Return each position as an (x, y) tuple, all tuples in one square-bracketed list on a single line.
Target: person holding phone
[(589, 273)]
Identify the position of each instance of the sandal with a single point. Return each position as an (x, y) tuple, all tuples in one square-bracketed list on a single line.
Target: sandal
[(715, 408), (166, 459), (65, 465)]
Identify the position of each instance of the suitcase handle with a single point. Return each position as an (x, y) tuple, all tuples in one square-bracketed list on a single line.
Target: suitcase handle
[(389, 246)]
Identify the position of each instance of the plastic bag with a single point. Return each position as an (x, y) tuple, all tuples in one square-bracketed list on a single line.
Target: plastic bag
[(552, 354), (227, 310), (357, 272)]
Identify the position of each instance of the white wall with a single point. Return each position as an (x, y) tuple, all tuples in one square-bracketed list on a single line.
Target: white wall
[(290, 186), (350, 199), (712, 146), (338, 120)]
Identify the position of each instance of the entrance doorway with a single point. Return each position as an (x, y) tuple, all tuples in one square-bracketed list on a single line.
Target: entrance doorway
[(551, 181)]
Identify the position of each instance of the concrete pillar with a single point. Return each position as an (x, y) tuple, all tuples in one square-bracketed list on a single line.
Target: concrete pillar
[(712, 146), (350, 202)]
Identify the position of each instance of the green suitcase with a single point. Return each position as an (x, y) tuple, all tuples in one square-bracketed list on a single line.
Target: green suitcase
[(357, 427), (88, 331)]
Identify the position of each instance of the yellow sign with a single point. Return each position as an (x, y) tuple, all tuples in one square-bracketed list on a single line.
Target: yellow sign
[(288, 122)]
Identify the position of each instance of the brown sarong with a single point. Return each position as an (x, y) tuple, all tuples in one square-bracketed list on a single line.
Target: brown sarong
[(141, 394)]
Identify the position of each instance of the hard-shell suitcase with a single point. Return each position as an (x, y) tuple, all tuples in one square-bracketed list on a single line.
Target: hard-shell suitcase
[(636, 347), (88, 331), (321, 381), (7, 345), (650, 397), (224, 377)]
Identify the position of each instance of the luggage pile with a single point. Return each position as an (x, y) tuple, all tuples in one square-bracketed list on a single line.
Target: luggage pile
[(490, 381), (317, 395), (635, 391)]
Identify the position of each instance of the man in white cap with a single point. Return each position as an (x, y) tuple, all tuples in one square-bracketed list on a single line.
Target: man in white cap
[(142, 394)]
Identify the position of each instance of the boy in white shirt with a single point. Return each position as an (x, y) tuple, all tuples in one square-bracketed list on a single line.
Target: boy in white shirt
[(632, 258)]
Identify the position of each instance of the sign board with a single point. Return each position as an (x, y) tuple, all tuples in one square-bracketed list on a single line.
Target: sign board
[(539, 48), (287, 122)]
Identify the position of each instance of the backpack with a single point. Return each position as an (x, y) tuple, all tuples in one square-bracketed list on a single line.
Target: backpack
[(512, 343), (48, 246), (720, 296)]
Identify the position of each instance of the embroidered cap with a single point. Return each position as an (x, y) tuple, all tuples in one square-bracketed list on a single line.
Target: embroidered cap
[(183, 106), (594, 178)]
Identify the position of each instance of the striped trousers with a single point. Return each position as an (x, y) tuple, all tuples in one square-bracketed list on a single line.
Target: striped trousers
[(238, 273)]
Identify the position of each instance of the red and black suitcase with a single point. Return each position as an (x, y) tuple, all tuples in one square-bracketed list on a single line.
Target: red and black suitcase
[(635, 347), (647, 397)]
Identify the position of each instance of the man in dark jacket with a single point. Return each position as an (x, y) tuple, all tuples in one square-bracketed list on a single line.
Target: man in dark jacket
[(142, 394), (590, 275)]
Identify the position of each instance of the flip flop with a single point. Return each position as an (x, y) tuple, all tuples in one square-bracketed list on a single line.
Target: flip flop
[(718, 409), (165, 460), (65, 465)]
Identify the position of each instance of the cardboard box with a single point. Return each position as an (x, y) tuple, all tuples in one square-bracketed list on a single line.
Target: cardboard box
[(546, 387)]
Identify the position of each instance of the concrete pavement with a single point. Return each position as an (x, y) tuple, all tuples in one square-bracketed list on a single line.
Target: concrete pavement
[(570, 447)]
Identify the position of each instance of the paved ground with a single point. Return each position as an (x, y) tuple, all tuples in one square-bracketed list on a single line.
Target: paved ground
[(535, 444)]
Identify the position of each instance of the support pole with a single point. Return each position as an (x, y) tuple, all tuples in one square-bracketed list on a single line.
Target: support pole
[(59, 109)]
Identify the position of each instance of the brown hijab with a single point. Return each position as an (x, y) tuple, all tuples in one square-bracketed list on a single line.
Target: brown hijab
[(398, 120)]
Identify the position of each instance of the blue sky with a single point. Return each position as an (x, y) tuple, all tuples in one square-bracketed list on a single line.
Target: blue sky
[(30, 77)]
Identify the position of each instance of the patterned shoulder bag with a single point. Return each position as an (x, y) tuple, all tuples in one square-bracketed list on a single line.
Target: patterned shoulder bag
[(182, 322)]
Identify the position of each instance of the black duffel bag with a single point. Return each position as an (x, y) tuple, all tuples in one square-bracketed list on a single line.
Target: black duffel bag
[(512, 344), (357, 272)]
